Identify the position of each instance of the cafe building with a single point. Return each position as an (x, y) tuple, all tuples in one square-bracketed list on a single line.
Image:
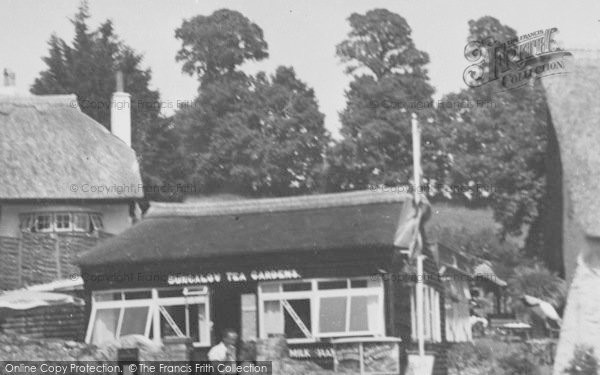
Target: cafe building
[(318, 269)]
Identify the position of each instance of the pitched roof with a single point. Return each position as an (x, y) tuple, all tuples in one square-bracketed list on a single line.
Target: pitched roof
[(572, 99), (299, 224), (47, 145)]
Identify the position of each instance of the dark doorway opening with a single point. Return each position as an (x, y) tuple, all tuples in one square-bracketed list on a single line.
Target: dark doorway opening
[(227, 308)]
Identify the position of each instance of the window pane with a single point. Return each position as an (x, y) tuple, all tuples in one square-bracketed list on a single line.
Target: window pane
[(295, 287), (364, 312), (26, 222), (138, 294), (332, 315), (107, 296), (273, 318), (270, 288), (81, 222), (177, 292), (302, 309), (105, 325), (337, 284), (134, 321), (43, 223), (172, 321), (63, 221), (358, 283), (97, 222)]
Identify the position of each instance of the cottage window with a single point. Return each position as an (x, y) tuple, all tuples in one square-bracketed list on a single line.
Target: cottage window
[(43, 223), (81, 223), (154, 313), (61, 222), (314, 309)]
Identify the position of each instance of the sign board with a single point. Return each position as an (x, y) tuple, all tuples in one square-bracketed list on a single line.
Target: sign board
[(347, 358), (381, 357), (418, 365), (233, 277), (368, 356)]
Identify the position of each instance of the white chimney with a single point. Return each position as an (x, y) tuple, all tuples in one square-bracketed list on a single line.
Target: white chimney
[(120, 113), (8, 86)]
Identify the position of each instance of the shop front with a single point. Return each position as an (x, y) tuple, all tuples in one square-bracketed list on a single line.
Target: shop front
[(317, 270)]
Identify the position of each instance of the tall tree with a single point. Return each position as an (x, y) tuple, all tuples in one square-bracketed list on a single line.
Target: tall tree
[(215, 45), (87, 68), (499, 140), (251, 135), (390, 82)]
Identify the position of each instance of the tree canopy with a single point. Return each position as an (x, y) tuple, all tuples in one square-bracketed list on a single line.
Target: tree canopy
[(257, 135), (389, 82)]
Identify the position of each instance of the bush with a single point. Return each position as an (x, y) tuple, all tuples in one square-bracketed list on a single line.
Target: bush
[(584, 362), (518, 363)]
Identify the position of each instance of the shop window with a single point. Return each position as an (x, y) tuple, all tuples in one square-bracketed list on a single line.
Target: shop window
[(128, 312), (134, 321), (297, 322), (332, 314), (340, 307), (296, 287), (337, 284), (105, 325)]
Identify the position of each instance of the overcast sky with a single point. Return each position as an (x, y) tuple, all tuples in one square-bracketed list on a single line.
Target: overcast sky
[(300, 33)]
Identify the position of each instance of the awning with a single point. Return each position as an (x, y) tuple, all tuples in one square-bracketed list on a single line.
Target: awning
[(28, 299)]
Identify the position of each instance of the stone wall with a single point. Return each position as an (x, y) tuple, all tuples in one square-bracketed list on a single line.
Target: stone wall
[(20, 348)]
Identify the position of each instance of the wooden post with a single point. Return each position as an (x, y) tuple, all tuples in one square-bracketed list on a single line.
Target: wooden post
[(416, 143)]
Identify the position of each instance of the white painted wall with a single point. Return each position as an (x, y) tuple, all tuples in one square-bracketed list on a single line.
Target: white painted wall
[(115, 215)]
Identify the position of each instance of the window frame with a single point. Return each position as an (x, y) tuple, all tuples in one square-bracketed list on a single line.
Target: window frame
[(314, 295), (154, 302), (36, 222), (70, 221), (28, 222)]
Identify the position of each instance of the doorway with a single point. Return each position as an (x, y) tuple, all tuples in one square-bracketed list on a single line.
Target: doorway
[(227, 308)]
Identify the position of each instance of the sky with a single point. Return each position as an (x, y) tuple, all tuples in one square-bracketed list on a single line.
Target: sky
[(300, 33)]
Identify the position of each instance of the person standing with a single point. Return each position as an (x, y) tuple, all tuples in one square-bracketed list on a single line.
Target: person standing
[(225, 351)]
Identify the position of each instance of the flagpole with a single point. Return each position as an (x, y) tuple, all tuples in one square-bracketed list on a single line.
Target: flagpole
[(416, 141)]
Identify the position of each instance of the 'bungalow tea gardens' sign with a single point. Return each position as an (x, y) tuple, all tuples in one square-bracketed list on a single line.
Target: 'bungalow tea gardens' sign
[(233, 277)]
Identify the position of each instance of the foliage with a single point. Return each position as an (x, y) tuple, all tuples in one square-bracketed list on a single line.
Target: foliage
[(584, 362), (215, 45), (389, 78), (87, 68), (538, 281), (466, 355), (518, 362), (251, 135)]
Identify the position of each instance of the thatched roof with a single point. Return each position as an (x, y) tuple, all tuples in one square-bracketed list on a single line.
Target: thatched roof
[(573, 102), (47, 145), (316, 223)]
